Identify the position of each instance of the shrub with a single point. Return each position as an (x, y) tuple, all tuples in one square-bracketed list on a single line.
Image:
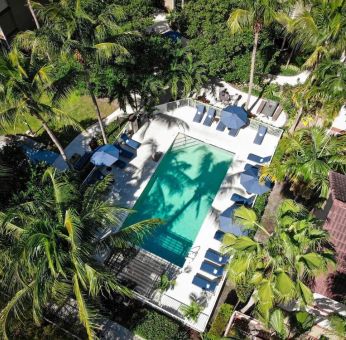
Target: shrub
[(156, 326), (219, 324), (260, 204)]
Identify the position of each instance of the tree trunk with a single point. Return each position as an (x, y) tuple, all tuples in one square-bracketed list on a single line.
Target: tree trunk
[(98, 114), (250, 303), (290, 56), (252, 70), (296, 121), (33, 14), (54, 139), (283, 43)]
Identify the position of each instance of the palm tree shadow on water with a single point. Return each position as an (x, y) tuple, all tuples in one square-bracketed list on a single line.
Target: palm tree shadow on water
[(176, 192)]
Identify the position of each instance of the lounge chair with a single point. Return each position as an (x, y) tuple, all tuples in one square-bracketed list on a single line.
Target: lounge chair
[(242, 200), (258, 159), (94, 176), (220, 126), (204, 283), (277, 113), (199, 113), (212, 268), (219, 235), (260, 108), (262, 130), (210, 117), (130, 142), (123, 152), (215, 257), (233, 132)]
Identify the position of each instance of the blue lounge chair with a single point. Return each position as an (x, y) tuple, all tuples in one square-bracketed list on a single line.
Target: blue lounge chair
[(130, 142), (204, 283), (220, 126), (210, 117), (258, 159), (233, 132), (219, 235), (212, 268), (124, 153), (199, 113), (262, 130), (242, 200), (216, 257)]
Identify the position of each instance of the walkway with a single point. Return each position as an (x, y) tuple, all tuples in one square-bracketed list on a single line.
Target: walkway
[(291, 80)]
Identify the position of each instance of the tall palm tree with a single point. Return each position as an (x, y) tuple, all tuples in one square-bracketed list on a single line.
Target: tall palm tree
[(185, 74), (32, 12), (53, 240), (28, 88), (281, 266), (305, 159), (254, 15), (320, 27), (84, 31)]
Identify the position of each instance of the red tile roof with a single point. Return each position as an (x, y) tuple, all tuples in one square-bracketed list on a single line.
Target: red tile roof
[(338, 186)]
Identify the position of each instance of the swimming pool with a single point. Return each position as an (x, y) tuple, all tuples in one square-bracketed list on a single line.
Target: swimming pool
[(181, 192)]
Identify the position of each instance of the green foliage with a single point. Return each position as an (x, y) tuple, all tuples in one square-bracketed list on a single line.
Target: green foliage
[(219, 324), (278, 266), (289, 70), (338, 324), (303, 321), (224, 56), (260, 204), (165, 283), (156, 326)]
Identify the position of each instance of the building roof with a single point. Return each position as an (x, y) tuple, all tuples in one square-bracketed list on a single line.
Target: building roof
[(338, 186)]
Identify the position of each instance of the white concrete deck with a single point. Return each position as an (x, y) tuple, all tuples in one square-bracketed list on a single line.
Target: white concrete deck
[(158, 135), (255, 102)]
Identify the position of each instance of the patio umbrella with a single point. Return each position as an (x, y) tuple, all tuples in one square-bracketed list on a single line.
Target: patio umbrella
[(106, 155), (252, 185), (234, 117), (227, 224)]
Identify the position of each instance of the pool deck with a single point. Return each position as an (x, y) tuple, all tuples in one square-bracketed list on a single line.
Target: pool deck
[(158, 135)]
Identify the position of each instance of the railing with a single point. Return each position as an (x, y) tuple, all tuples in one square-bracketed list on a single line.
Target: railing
[(172, 307), (254, 122)]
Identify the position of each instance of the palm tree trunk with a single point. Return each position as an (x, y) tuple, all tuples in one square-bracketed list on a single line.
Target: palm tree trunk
[(54, 139), (252, 70), (33, 14), (98, 114), (290, 56), (297, 120), (250, 303)]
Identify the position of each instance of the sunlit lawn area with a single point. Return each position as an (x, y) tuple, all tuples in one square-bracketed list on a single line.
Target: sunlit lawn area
[(79, 107)]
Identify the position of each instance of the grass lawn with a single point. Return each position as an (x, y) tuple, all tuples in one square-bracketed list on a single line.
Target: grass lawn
[(79, 107)]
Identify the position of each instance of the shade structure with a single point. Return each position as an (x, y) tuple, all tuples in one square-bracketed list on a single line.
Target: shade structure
[(227, 224), (252, 185), (106, 155), (234, 117)]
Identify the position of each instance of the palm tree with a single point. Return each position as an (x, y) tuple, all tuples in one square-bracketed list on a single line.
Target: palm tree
[(28, 88), (185, 74), (53, 240), (280, 266), (195, 308), (83, 31), (33, 14), (305, 158), (254, 15), (320, 27)]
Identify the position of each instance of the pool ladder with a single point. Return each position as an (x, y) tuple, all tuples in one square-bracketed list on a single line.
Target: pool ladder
[(193, 252)]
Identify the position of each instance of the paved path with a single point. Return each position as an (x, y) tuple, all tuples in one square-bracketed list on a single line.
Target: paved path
[(291, 80)]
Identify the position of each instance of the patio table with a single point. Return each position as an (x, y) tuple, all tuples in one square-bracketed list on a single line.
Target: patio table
[(269, 108)]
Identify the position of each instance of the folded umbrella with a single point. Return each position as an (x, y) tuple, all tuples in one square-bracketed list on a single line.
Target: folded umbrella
[(252, 185), (227, 224)]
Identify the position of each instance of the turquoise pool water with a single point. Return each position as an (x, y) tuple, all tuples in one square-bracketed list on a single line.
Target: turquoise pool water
[(180, 192)]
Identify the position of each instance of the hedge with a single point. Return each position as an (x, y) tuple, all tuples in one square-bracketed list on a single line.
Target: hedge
[(219, 324), (156, 326)]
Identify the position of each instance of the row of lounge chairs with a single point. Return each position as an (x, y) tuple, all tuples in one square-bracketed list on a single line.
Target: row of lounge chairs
[(200, 112), (213, 265), (270, 109)]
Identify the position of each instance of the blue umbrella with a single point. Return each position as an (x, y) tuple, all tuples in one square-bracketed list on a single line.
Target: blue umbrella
[(227, 224), (105, 155), (252, 185), (173, 35), (234, 117)]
